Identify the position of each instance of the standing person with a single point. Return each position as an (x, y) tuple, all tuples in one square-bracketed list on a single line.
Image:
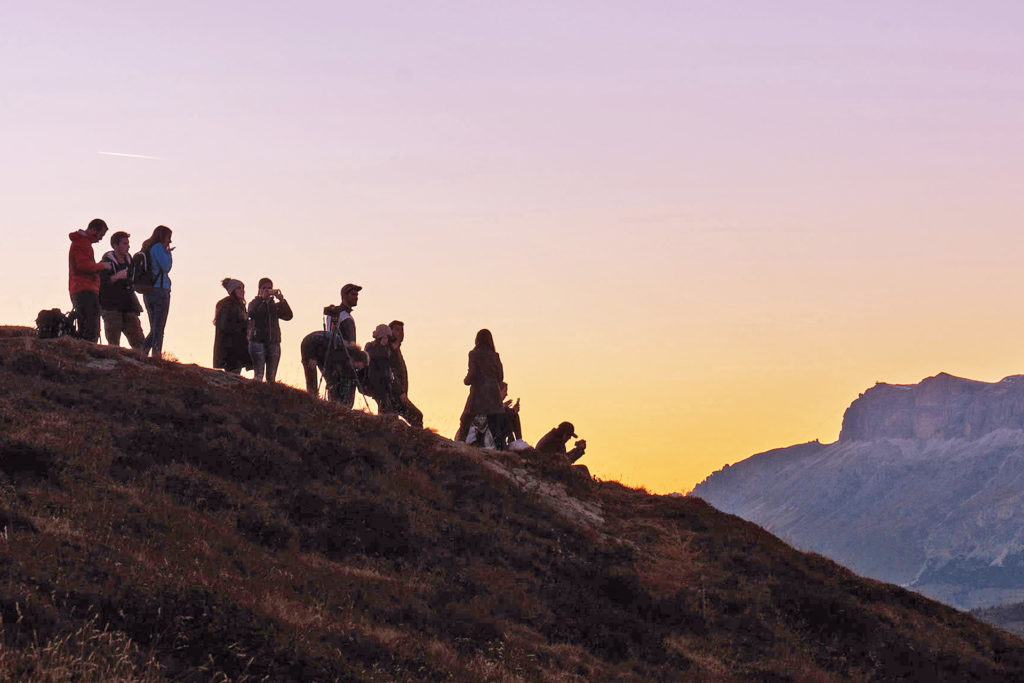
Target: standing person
[(380, 377), (84, 278), (158, 300), (265, 330), (406, 409), (118, 303), (341, 328), (484, 378), (230, 342)]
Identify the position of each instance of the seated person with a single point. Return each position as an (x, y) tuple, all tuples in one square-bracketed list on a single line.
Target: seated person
[(555, 440)]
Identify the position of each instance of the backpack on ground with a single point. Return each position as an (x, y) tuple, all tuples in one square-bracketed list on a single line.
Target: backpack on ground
[(143, 279), (51, 323)]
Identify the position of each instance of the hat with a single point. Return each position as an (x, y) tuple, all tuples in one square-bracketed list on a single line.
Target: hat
[(381, 331), (350, 288), (567, 427), (230, 284)]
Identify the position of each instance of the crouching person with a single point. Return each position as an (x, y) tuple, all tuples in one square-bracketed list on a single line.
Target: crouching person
[(555, 441), (336, 362)]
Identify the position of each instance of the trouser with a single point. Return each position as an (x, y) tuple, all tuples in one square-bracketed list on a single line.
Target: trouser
[(513, 425), (412, 414), (265, 356), (343, 391), (87, 307), (116, 322), (158, 303)]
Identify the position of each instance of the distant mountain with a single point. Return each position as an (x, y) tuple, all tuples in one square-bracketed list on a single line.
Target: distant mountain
[(168, 522), (924, 488)]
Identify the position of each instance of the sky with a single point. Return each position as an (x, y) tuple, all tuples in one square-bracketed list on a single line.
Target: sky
[(697, 230)]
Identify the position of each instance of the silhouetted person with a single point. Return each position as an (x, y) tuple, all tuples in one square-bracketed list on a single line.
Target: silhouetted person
[(266, 311), (84, 278), (380, 377), (118, 303), (555, 441), (513, 425), (406, 409), (484, 378), (343, 350), (158, 300), (230, 343)]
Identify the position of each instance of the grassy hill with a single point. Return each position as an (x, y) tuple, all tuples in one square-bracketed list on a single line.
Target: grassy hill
[(167, 521)]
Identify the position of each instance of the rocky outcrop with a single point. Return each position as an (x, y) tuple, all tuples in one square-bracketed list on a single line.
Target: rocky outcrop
[(925, 488), (940, 407)]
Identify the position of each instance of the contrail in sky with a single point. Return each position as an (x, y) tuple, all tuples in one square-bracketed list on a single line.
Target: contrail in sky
[(132, 156)]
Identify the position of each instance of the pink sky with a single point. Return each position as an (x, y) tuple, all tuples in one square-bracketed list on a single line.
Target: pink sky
[(696, 229)]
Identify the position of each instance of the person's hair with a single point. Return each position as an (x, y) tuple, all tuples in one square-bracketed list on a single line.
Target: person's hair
[(117, 237), (484, 338), (267, 280), (97, 224), (160, 233), (396, 323)]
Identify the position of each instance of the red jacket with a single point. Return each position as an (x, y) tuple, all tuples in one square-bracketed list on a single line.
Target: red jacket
[(83, 271)]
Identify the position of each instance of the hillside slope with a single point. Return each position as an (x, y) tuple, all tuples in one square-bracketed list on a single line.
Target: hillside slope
[(923, 489), (168, 521)]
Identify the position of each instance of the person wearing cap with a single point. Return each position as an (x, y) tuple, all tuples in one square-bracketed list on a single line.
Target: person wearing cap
[(266, 311), (555, 441), (119, 306), (230, 343), (341, 328), (84, 278), (380, 377), (406, 409)]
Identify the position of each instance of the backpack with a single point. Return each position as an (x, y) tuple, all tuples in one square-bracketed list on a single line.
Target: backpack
[(52, 323), (143, 279)]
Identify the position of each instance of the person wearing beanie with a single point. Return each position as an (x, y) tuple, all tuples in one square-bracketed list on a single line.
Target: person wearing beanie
[(84, 278), (231, 320), (266, 311)]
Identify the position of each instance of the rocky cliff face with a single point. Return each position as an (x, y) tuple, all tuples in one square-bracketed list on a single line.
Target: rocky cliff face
[(925, 488), (940, 407)]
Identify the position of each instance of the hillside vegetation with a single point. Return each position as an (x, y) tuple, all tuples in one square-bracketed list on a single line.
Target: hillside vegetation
[(161, 521)]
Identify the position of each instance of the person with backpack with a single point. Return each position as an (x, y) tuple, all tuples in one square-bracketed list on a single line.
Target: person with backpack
[(484, 379), (265, 315), (231, 342), (340, 328), (84, 278), (153, 263), (119, 306), (380, 377)]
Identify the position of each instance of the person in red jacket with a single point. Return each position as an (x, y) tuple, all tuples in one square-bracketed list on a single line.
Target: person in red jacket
[(84, 278)]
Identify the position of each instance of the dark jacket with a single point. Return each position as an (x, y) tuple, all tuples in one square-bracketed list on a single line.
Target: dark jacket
[(83, 271), (484, 376), (400, 370), (231, 343), (380, 378), (552, 442), (265, 315), (119, 295)]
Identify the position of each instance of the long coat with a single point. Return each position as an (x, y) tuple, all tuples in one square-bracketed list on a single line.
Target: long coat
[(231, 343), (484, 376)]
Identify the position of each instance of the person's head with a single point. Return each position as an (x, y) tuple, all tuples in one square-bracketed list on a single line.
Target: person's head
[(566, 431), (484, 338), (96, 229), (397, 330), (382, 333), (120, 242), (266, 286), (161, 235), (350, 295), (234, 287)]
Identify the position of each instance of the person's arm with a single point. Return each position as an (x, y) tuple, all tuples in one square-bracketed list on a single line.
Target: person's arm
[(473, 373), (83, 263), (284, 311), (348, 331)]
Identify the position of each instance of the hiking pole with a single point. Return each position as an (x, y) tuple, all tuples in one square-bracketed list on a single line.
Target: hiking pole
[(327, 354)]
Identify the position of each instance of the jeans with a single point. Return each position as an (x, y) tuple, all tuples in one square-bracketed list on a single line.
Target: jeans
[(158, 303), (265, 356)]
